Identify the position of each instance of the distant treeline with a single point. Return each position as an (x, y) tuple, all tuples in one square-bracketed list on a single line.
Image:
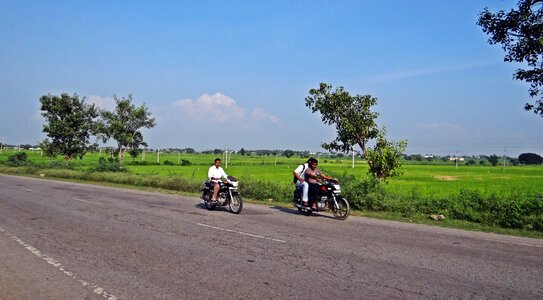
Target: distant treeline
[(494, 160)]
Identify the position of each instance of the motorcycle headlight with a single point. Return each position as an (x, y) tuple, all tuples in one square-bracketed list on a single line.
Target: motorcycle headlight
[(337, 187)]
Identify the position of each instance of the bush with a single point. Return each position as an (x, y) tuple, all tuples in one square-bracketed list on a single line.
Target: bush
[(143, 163), (185, 162), (168, 163), (17, 160), (109, 165)]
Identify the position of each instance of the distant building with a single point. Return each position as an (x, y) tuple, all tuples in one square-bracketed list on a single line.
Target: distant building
[(456, 158)]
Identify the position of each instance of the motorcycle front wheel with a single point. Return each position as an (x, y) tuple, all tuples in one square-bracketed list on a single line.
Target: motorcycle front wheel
[(343, 210), (235, 203)]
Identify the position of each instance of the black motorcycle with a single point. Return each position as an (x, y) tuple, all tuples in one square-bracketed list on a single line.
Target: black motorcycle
[(228, 195), (328, 199)]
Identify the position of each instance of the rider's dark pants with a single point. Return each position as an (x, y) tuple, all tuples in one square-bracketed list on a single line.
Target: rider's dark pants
[(313, 192)]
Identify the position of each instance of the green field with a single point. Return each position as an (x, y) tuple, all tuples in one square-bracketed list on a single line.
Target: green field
[(428, 180), (510, 197)]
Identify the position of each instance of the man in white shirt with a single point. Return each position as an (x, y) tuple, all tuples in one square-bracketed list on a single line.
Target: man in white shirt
[(299, 174), (215, 174)]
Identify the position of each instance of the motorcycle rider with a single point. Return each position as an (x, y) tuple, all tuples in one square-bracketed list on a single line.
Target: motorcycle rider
[(215, 173), (299, 174), (314, 176)]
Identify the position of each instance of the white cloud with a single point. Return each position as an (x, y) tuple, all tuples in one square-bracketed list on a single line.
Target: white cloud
[(216, 107), (260, 115), (104, 103), (220, 108)]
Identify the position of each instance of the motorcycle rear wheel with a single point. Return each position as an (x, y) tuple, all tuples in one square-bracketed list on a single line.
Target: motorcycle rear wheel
[(207, 201), (305, 212), (344, 209), (235, 204)]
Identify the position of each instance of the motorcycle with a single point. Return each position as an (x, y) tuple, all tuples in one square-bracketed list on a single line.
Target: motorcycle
[(328, 199), (228, 195)]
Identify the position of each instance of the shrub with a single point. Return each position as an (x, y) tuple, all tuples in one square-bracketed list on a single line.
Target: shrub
[(168, 163), (109, 165), (17, 160)]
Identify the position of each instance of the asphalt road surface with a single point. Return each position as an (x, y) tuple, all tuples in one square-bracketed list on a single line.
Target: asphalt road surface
[(62, 240)]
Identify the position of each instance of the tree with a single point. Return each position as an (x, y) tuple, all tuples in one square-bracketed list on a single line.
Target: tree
[(520, 32), (530, 159), (355, 125), (69, 124), (493, 160), (242, 151), (124, 124), (288, 153), (385, 158)]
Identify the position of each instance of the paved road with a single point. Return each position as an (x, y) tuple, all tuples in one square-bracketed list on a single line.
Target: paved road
[(63, 240)]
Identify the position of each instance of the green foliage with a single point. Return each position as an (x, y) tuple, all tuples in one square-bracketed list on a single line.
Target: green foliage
[(109, 165), (265, 190), (520, 32), (364, 194), (514, 210), (288, 153), (168, 163), (17, 160), (351, 115), (69, 124), (530, 159), (355, 125), (124, 124), (144, 163), (385, 159), (185, 162), (493, 160)]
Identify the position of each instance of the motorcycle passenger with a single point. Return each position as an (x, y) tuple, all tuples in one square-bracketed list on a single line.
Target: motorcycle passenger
[(301, 183), (314, 176), (215, 174)]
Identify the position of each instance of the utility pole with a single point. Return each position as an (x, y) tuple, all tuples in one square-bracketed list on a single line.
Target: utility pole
[(353, 156), (158, 155), (226, 155), (456, 160), (504, 151)]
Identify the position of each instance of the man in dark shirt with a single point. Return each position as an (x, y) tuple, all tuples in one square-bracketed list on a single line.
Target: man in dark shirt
[(314, 176)]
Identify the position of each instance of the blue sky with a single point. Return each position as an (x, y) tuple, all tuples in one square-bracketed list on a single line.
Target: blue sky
[(234, 74)]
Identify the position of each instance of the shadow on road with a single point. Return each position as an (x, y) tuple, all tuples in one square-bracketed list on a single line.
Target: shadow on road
[(294, 211), (217, 208)]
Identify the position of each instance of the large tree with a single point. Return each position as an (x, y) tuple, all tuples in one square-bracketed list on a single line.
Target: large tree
[(124, 124), (70, 122), (355, 124), (520, 32), (530, 159)]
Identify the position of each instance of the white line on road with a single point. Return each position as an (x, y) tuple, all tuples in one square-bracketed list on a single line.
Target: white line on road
[(96, 289), (28, 190), (243, 233), (87, 201)]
